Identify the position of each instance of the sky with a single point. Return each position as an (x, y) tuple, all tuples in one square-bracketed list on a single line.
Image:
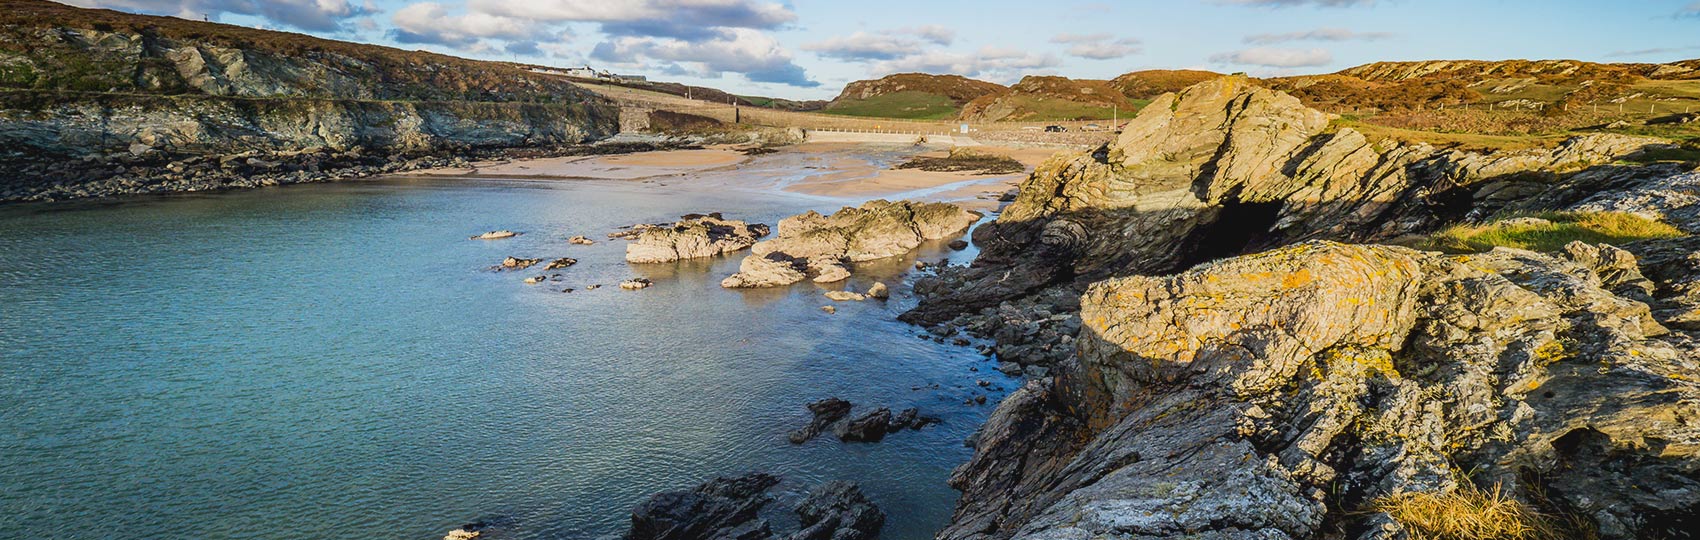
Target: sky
[(808, 49)]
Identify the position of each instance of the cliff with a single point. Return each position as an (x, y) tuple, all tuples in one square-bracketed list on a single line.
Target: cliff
[(97, 84), (1206, 360), (1038, 98), (910, 95)]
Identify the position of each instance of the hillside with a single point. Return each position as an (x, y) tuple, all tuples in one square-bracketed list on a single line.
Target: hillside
[(1151, 83), (1040, 98), (83, 88), (910, 95)]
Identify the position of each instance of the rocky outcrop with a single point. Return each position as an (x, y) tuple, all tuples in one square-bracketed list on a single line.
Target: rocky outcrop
[(692, 237), (101, 85), (820, 245), (733, 509), (1275, 395), (826, 412), (1223, 168)]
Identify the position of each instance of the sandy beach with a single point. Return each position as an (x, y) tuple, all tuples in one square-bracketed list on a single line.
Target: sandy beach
[(837, 171)]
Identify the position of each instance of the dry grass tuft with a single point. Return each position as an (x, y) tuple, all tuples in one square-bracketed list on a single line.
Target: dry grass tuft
[(1548, 232), (1467, 513)]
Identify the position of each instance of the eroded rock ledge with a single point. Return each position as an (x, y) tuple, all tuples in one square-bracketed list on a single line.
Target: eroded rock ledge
[(1272, 395), (692, 237)]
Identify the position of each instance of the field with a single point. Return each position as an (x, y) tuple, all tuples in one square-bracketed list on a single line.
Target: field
[(907, 104)]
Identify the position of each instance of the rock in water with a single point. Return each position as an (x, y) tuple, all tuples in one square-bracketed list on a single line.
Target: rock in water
[(870, 427), (876, 230), (723, 508), (636, 283), (878, 291), (560, 263), (771, 270), (496, 235), (580, 240), (838, 511), (692, 237), (845, 296), (1257, 396), (516, 263), (825, 412)]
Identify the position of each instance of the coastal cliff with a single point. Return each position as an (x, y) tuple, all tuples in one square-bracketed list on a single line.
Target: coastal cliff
[(88, 95), (1206, 359)]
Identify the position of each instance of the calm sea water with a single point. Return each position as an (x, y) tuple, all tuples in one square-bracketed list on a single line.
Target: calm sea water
[(337, 360)]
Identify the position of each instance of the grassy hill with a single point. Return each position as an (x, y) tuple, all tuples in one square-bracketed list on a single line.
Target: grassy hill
[(916, 96), (1042, 98), (1155, 82)]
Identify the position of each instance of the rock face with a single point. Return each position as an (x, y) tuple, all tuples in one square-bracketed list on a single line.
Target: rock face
[(826, 412), (101, 83), (1267, 396), (1221, 168), (732, 509), (821, 245), (691, 238)]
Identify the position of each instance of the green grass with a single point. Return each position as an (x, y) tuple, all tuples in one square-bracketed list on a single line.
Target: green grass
[(907, 104), (1031, 109), (1548, 231)]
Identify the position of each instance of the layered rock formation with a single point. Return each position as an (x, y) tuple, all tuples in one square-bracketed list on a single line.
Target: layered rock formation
[(1222, 168), (821, 246), (1274, 395), (1281, 394), (693, 237)]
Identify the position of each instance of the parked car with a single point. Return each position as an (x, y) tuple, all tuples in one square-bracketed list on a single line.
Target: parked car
[(1055, 129), (1091, 127)]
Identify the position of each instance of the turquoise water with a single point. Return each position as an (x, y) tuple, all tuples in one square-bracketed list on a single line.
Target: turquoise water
[(337, 360)]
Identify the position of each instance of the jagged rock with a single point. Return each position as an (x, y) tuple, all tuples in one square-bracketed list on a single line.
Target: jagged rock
[(516, 263), (771, 270), (533, 280), (496, 235), (560, 263), (1674, 267), (636, 283), (876, 230), (845, 296), (825, 412), (869, 427), (829, 309), (720, 509), (1225, 167), (580, 240), (1262, 396), (838, 511), (878, 290), (693, 237)]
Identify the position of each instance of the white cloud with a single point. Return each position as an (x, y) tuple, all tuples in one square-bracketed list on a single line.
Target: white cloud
[(861, 46), (684, 19), (1278, 58), (1097, 46), (755, 55), (320, 15), (1290, 3), (1691, 10), (429, 22), (1320, 34)]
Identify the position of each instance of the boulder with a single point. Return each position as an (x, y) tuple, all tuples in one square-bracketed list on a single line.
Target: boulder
[(516, 263), (828, 270), (772, 270), (869, 427), (838, 511), (694, 237), (560, 263), (845, 296), (636, 283), (826, 412), (580, 240), (725, 508), (878, 291)]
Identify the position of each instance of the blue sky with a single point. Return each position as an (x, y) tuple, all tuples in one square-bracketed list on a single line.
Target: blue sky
[(808, 49)]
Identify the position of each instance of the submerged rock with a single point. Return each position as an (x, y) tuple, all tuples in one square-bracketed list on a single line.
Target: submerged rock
[(636, 283), (560, 263), (695, 236), (869, 427), (878, 229), (496, 235), (845, 296), (732, 509), (580, 240)]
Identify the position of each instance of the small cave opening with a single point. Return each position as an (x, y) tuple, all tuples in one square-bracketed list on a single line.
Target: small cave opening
[(1239, 227)]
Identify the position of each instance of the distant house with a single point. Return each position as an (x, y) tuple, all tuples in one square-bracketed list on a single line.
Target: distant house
[(581, 72)]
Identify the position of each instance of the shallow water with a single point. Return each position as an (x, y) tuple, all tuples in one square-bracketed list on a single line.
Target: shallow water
[(330, 360)]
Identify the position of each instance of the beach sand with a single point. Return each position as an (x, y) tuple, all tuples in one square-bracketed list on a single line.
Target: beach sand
[(834, 171)]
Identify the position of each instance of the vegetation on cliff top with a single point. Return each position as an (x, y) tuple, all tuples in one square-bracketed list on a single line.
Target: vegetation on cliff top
[(917, 96), (1548, 231)]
